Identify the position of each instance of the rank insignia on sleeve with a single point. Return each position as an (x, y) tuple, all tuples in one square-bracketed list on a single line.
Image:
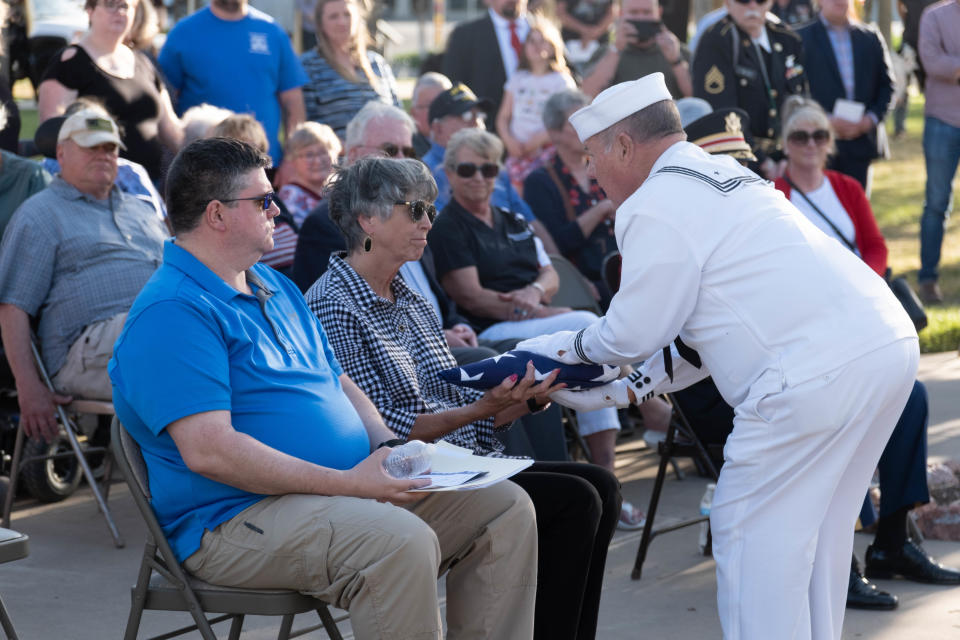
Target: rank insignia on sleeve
[(714, 81)]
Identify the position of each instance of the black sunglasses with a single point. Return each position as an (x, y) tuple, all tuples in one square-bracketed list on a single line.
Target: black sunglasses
[(419, 208), (820, 136), (487, 169), (757, 2), (265, 200), (394, 150)]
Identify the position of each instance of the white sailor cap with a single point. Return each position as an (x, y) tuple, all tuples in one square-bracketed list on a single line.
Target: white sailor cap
[(616, 103)]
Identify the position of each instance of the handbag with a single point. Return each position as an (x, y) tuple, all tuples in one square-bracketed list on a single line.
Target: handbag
[(899, 286)]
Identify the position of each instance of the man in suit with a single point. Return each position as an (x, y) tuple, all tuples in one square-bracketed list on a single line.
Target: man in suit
[(747, 61), (469, 57), (847, 60)]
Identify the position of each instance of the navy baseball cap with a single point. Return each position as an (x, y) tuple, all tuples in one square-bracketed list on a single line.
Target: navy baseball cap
[(456, 101)]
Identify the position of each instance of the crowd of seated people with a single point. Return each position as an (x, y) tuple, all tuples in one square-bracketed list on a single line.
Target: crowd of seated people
[(479, 275)]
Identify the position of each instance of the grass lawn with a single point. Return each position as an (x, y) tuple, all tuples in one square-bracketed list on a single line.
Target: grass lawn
[(897, 199)]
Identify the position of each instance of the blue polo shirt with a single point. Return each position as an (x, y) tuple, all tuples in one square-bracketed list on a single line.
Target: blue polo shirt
[(193, 344), (503, 196)]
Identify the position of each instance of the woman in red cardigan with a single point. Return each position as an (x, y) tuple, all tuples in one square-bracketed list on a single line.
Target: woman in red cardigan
[(832, 201)]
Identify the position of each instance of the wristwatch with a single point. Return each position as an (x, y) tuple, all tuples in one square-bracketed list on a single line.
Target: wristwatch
[(539, 287)]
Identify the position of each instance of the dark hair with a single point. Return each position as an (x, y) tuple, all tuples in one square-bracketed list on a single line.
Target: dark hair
[(205, 170), (371, 187)]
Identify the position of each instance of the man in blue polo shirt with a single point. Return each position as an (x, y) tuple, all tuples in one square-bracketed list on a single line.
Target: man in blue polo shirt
[(262, 454)]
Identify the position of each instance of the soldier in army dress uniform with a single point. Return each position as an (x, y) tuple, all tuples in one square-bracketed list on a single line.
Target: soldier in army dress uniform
[(749, 62)]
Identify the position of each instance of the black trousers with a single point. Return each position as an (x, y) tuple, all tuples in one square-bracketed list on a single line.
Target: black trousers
[(903, 464), (577, 507)]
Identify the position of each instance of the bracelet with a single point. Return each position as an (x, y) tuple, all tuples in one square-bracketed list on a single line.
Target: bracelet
[(537, 408), (676, 62), (396, 442), (539, 287)]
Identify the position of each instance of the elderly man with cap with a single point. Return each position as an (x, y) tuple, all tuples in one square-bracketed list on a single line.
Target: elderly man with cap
[(76, 255), (723, 277)]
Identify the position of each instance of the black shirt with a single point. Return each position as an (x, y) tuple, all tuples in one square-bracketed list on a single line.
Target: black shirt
[(134, 102), (730, 71), (505, 256)]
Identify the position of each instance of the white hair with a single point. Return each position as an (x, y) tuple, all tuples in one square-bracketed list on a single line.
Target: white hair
[(430, 80), (374, 110), (199, 120)]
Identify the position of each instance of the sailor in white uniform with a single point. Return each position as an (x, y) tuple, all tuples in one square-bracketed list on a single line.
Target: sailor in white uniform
[(800, 336)]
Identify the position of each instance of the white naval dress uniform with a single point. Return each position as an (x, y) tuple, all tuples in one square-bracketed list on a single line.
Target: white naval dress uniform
[(802, 338)]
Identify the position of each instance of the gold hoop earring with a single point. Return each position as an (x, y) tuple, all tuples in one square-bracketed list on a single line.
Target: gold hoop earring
[(367, 244)]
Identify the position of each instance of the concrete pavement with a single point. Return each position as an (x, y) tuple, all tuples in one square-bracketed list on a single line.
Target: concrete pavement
[(75, 584)]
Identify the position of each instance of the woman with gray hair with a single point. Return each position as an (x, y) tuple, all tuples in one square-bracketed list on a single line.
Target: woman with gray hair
[(389, 341), (495, 269)]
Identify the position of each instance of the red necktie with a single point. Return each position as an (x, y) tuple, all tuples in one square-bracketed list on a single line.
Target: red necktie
[(515, 39)]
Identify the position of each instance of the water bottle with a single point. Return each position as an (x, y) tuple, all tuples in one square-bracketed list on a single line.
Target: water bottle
[(705, 503), (409, 459)]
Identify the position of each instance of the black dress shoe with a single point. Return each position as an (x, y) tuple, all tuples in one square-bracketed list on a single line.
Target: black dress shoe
[(863, 594), (910, 562)]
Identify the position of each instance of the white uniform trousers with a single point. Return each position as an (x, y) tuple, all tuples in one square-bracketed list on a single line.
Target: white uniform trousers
[(796, 468)]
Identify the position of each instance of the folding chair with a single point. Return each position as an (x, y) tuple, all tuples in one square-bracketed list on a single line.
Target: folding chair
[(574, 291), (681, 441), (13, 546), (163, 585), (70, 430)]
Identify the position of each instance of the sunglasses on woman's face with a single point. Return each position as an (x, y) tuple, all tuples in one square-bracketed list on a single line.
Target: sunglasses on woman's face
[(487, 169), (418, 209), (820, 137)]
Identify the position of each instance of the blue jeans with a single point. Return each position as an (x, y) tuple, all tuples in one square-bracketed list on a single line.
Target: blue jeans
[(941, 151)]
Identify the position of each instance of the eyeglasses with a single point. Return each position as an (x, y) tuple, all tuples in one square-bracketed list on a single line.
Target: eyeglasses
[(418, 209), (756, 2), (115, 6), (487, 169), (395, 151), (820, 137), (470, 116), (265, 200), (322, 156)]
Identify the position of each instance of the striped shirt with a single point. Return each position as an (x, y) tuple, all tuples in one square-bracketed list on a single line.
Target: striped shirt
[(393, 351), (333, 100)]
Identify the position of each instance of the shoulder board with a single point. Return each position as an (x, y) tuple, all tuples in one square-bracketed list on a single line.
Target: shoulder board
[(723, 186), (780, 32)]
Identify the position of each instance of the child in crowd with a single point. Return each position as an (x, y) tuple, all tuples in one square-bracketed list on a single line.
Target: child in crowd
[(541, 72), (312, 148)]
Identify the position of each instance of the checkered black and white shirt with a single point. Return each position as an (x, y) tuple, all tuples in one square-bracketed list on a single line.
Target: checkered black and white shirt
[(393, 351)]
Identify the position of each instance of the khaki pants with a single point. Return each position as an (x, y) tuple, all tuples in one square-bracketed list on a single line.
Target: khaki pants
[(381, 562), (84, 374)]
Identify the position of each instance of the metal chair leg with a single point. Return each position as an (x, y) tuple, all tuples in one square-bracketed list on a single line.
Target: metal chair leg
[(6, 623), (329, 623), (81, 458), (235, 626), (14, 473)]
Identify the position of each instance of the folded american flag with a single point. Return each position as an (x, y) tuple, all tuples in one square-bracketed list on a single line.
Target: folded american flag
[(490, 372)]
